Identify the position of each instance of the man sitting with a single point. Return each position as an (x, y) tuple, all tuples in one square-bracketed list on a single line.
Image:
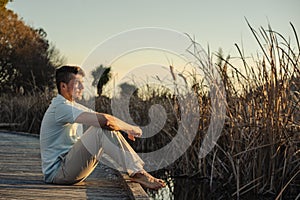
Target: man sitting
[(68, 154)]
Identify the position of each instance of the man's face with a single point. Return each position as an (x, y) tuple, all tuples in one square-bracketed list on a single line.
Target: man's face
[(75, 87)]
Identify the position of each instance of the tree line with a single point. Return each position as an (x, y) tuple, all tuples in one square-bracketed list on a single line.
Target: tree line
[(27, 59)]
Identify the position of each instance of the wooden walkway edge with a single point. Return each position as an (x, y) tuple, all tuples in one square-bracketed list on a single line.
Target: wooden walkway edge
[(21, 176)]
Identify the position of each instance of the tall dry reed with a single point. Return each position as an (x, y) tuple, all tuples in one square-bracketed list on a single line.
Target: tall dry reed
[(258, 152)]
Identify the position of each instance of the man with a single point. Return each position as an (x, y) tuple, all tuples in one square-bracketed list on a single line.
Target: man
[(68, 154)]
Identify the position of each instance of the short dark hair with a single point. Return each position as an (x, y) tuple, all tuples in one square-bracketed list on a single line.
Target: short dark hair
[(64, 74)]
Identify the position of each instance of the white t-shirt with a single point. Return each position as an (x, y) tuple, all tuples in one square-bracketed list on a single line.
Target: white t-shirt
[(59, 133)]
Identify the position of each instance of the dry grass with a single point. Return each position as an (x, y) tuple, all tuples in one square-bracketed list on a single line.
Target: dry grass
[(259, 150), (261, 139), (23, 113)]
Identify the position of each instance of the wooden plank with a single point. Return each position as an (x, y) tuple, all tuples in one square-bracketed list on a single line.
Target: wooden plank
[(21, 177), (136, 189), (6, 125)]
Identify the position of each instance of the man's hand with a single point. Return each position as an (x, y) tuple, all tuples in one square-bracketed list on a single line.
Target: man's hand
[(134, 132), (109, 122), (131, 137), (117, 124)]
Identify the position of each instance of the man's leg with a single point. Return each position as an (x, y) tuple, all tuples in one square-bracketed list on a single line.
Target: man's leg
[(85, 154), (76, 166), (83, 157), (114, 144)]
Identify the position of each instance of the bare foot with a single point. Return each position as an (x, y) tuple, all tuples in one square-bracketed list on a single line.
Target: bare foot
[(148, 181)]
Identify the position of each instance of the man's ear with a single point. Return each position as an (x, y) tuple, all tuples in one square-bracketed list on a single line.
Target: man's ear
[(63, 85)]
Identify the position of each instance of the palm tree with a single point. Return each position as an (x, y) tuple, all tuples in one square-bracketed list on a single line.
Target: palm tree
[(101, 77)]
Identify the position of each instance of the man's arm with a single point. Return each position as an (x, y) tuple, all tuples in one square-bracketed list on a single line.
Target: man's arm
[(109, 122)]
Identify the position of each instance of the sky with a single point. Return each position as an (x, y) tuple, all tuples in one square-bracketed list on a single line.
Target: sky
[(78, 27)]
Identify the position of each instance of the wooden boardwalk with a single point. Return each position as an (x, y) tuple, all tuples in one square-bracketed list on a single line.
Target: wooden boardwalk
[(21, 176)]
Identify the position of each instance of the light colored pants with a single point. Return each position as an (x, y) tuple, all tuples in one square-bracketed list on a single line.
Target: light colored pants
[(84, 156)]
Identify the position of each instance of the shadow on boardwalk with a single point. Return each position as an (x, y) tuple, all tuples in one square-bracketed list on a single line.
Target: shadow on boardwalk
[(21, 176)]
